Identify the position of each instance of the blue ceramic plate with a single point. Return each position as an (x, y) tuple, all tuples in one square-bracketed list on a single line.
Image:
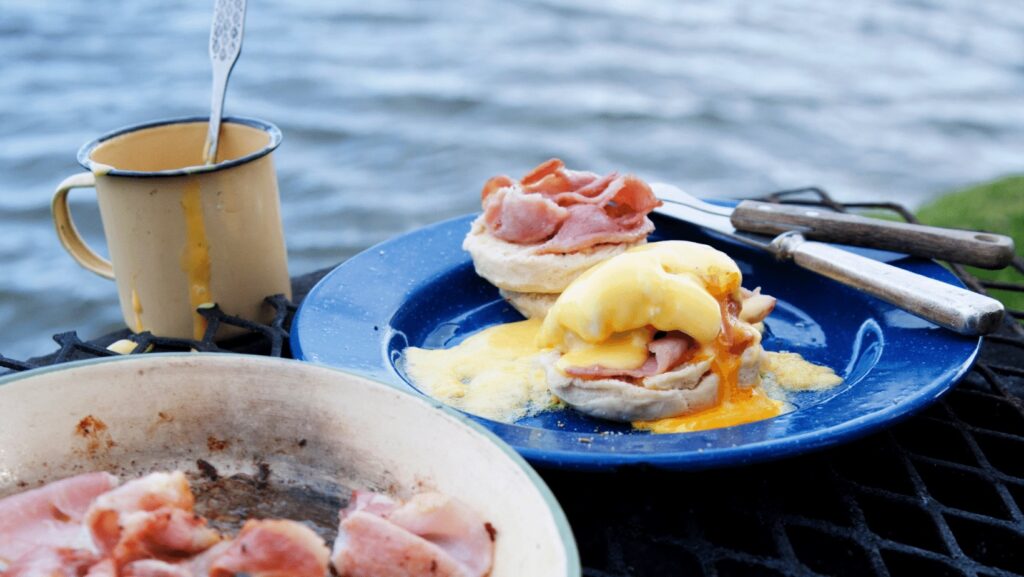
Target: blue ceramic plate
[(420, 290)]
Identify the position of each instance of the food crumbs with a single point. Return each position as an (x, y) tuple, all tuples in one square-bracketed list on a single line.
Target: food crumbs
[(214, 444), (95, 433)]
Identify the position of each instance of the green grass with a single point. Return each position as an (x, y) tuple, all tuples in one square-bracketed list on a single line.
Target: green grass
[(996, 206)]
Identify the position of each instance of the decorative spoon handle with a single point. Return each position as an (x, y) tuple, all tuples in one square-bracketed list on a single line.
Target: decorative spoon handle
[(225, 46)]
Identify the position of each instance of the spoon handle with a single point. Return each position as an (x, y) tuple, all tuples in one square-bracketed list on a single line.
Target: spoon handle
[(225, 46)]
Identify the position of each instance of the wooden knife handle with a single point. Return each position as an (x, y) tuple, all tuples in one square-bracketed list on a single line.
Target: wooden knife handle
[(946, 305), (980, 249)]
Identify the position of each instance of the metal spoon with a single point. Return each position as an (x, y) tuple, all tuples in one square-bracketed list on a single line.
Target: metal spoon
[(225, 46)]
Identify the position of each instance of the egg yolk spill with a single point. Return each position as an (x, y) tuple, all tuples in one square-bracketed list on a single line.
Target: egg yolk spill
[(495, 374), (196, 257), (736, 405)]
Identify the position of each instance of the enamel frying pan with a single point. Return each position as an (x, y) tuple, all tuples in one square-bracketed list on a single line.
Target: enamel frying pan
[(273, 438)]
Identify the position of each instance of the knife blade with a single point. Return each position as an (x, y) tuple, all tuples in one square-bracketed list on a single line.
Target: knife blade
[(948, 306)]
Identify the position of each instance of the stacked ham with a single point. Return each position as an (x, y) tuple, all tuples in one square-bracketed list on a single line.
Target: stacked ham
[(88, 526), (566, 211), (538, 234)]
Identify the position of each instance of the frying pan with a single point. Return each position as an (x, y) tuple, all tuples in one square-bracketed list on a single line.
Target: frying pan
[(274, 438)]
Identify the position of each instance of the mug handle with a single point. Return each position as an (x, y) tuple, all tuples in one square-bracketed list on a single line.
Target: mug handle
[(68, 234)]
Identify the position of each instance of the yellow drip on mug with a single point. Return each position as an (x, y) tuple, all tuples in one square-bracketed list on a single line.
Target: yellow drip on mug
[(181, 233), (195, 259)]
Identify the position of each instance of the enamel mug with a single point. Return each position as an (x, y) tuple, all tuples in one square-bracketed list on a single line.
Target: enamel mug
[(182, 234)]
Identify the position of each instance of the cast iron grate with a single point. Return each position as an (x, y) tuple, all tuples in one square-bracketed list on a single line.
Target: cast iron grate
[(256, 338), (940, 494)]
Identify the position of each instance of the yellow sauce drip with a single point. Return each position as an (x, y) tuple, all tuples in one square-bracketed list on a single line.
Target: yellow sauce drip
[(742, 406), (137, 310), (736, 405), (793, 373), (495, 374), (620, 351), (196, 257)]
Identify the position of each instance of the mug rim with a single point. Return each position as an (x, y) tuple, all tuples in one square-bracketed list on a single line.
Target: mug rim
[(86, 150)]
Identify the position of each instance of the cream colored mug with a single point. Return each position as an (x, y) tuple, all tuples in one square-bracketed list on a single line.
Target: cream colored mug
[(182, 234)]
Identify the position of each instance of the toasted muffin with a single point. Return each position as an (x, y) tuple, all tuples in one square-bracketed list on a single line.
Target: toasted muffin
[(538, 234)]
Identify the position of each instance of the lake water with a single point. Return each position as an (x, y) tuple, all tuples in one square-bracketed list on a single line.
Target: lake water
[(394, 112)]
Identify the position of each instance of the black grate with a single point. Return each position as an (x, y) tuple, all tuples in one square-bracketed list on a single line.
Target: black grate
[(258, 338), (941, 494)]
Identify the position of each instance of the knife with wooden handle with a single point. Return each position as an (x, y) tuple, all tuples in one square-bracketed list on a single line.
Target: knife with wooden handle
[(979, 249), (946, 305)]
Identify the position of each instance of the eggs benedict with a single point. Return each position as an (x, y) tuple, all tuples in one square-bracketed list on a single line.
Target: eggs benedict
[(660, 331), (537, 234), (663, 335)]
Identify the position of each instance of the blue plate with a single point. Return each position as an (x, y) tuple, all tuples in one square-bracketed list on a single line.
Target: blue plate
[(420, 290)]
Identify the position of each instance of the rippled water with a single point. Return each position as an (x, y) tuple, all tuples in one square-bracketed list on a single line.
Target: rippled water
[(395, 111)]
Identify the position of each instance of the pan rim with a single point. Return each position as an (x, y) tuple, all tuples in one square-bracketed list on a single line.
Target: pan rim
[(568, 540)]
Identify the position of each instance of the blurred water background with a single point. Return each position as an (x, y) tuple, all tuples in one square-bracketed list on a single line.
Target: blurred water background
[(394, 112)]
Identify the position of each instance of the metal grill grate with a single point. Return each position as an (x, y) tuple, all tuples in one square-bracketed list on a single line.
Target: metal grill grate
[(261, 339), (941, 494)]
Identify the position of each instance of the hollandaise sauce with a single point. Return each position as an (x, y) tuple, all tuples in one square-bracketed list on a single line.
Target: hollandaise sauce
[(791, 372), (495, 374), (195, 259)]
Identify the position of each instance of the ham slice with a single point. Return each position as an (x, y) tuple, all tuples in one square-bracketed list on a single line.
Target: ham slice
[(589, 225), (429, 535), (551, 177), (166, 533), (755, 306), (198, 566), (50, 516), (550, 199), (105, 568), (51, 562), (150, 517), (524, 218), (157, 568), (147, 528), (667, 353), (671, 350), (273, 548)]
